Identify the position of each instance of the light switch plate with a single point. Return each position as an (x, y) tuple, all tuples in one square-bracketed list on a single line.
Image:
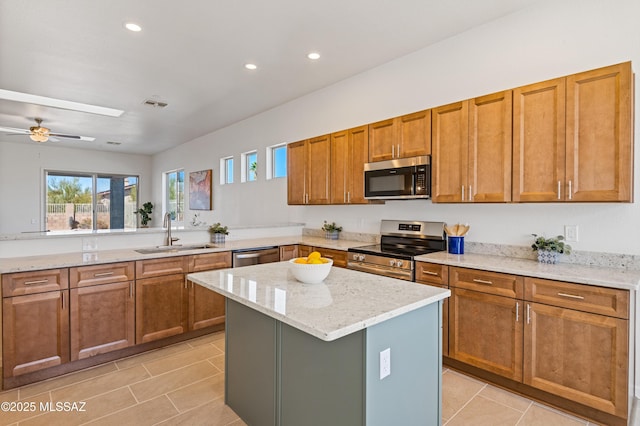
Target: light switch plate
[(571, 233)]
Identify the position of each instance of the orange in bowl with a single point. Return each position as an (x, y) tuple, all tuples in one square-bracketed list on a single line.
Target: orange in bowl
[(310, 271)]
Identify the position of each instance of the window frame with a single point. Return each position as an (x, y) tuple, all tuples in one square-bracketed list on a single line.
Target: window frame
[(246, 168), (166, 178), (224, 170), (94, 176), (271, 161)]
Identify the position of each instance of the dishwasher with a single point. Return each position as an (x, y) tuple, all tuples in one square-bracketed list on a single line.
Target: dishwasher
[(255, 256)]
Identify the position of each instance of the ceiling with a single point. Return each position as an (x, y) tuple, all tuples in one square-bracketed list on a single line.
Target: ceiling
[(191, 55)]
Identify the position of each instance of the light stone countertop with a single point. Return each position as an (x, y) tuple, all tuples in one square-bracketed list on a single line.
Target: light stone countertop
[(64, 260), (594, 275), (345, 302)]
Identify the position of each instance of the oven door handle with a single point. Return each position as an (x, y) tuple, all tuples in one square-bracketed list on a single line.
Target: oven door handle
[(403, 274)]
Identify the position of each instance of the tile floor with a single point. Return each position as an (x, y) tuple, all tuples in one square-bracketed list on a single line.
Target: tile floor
[(183, 384)]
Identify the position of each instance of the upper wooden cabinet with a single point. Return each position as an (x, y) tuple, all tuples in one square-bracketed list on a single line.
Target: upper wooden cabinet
[(400, 137), (308, 164), (572, 138), (349, 153), (472, 150)]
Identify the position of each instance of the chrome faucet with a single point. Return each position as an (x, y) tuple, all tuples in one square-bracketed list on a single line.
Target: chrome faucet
[(168, 240)]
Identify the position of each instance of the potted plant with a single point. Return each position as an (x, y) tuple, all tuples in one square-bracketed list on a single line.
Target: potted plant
[(145, 214), (331, 230), (549, 249), (218, 232)]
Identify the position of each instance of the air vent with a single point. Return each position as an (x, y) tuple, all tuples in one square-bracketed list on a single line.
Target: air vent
[(155, 104)]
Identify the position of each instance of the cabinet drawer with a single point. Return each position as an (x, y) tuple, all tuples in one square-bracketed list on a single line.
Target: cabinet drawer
[(84, 276), (209, 261), (21, 283), (487, 282), (598, 300), (162, 266), (339, 257), (432, 273)]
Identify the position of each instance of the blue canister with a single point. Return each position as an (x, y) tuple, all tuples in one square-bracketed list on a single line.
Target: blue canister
[(456, 245)]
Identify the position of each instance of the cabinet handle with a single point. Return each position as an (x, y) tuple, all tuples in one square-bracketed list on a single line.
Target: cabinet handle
[(130, 290), (571, 296), (470, 193), (103, 274), (62, 299), (485, 282), (393, 151), (462, 192), (528, 313), (348, 197), (570, 191), (46, 280), (328, 256), (398, 151), (559, 190), (430, 273), (517, 311)]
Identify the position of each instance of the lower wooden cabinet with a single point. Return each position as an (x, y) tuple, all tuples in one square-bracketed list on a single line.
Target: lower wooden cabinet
[(161, 307), (486, 331), (35, 331), (288, 252), (339, 257), (437, 275), (206, 307), (102, 319)]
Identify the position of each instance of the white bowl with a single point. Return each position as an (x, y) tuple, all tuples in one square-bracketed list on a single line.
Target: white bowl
[(310, 273)]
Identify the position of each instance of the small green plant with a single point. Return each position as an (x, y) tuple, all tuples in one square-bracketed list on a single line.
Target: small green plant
[(331, 227), (552, 244), (216, 228), (145, 213)]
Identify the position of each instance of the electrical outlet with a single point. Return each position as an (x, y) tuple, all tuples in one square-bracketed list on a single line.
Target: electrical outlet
[(571, 233), (385, 363)]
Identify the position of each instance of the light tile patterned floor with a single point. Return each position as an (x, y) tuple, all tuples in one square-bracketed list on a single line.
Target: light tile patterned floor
[(183, 384)]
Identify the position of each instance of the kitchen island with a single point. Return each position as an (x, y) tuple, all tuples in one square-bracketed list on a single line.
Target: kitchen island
[(357, 349)]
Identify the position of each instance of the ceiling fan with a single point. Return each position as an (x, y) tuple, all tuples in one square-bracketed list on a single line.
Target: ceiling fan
[(41, 134)]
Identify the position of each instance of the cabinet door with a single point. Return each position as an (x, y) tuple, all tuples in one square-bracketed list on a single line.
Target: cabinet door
[(485, 331), (449, 142), (415, 134), (161, 307), (358, 156), (539, 142), (21, 283), (577, 355), (339, 257), (318, 169), (209, 261), (288, 252), (162, 266), (383, 137), (599, 148), (83, 276), (296, 171), (35, 331), (102, 319), (304, 250), (339, 167), (206, 307), (489, 175)]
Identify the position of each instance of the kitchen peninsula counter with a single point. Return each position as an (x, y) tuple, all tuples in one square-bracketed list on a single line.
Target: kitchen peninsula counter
[(312, 353)]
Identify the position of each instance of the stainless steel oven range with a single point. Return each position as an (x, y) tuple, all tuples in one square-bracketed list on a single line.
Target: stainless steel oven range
[(400, 242)]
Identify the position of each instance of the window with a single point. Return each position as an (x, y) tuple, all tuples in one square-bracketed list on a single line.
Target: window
[(226, 170), (90, 201), (250, 166), (277, 161), (174, 194)]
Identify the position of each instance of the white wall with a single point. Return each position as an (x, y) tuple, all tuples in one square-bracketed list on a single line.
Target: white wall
[(551, 39), (22, 166)]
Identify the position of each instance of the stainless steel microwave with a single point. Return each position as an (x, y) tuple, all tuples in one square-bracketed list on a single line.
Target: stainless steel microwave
[(402, 178)]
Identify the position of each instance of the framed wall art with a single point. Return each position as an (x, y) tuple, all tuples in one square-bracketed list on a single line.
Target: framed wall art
[(200, 189)]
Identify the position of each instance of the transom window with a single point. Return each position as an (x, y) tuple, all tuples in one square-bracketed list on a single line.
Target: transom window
[(277, 161), (174, 194), (226, 170), (250, 166)]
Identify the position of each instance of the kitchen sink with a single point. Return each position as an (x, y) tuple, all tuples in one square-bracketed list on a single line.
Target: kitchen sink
[(174, 249)]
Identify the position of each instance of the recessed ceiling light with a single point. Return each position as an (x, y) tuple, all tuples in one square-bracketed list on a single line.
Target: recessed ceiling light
[(133, 27), (58, 103), (250, 66), (313, 55)]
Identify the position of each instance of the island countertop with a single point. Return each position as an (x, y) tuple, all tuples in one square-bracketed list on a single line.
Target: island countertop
[(347, 301)]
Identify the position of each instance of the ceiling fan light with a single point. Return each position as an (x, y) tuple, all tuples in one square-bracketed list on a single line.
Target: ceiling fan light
[(39, 137)]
